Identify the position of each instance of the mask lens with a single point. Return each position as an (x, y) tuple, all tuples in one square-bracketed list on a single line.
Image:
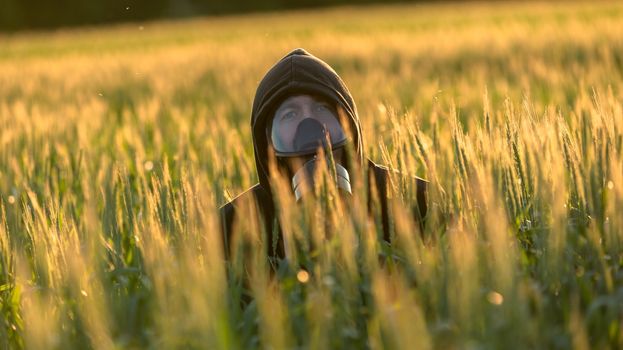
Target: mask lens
[(294, 132)]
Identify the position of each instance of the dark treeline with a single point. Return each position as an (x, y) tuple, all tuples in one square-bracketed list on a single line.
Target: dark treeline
[(41, 14)]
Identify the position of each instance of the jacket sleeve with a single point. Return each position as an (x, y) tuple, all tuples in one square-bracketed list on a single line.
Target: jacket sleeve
[(418, 197), (421, 207), (227, 214)]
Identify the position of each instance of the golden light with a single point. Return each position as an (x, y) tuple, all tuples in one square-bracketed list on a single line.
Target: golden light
[(149, 165), (495, 298), (302, 276)]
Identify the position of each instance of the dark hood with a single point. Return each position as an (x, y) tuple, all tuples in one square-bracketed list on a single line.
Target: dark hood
[(299, 72)]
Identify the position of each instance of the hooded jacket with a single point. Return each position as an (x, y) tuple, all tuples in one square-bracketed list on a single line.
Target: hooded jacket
[(299, 72)]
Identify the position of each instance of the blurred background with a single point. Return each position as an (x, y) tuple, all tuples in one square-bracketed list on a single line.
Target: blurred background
[(39, 14), (118, 142)]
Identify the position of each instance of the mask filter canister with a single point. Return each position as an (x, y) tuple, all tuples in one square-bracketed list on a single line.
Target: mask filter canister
[(303, 180)]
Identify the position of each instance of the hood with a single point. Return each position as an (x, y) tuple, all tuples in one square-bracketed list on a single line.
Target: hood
[(299, 72)]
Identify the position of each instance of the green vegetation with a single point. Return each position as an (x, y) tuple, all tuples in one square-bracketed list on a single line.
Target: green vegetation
[(118, 145)]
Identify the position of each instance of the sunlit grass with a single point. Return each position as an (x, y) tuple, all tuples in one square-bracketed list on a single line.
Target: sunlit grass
[(117, 145)]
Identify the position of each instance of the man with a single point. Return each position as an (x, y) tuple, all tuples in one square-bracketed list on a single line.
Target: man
[(302, 105)]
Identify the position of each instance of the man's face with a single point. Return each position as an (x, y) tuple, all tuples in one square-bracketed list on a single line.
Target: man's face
[(301, 122)]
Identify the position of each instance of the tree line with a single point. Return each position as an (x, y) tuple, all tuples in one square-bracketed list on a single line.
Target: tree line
[(44, 14)]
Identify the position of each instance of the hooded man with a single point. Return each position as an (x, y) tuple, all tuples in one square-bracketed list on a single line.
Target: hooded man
[(301, 105)]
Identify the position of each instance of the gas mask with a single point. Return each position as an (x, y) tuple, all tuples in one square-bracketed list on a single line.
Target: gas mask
[(298, 132)]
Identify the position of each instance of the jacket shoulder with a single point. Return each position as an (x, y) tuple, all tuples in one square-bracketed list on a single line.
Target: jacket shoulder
[(383, 173), (255, 195), (388, 180)]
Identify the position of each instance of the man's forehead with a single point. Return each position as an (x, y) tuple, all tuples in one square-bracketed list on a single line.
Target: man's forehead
[(297, 99)]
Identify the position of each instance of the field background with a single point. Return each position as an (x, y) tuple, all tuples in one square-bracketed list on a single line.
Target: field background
[(118, 144)]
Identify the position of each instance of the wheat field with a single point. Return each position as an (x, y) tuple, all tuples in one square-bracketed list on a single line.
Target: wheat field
[(118, 144)]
